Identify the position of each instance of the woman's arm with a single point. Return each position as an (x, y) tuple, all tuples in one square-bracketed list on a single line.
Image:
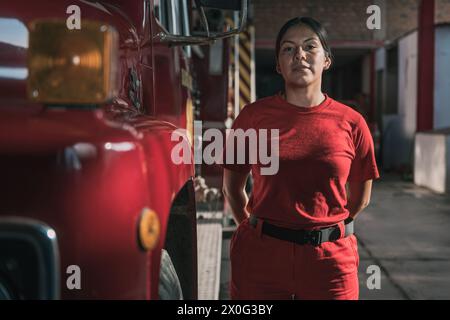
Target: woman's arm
[(234, 191), (358, 196)]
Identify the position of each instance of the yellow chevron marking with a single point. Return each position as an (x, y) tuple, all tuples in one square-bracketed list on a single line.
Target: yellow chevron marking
[(244, 90), (244, 74), (245, 57)]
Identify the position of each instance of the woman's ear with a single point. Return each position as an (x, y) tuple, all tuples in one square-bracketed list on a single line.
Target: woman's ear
[(327, 64), (278, 68)]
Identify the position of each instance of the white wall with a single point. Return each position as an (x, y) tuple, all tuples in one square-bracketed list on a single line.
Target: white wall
[(432, 161), (407, 82), (407, 97), (430, 168), (442, 78), (432, 149)]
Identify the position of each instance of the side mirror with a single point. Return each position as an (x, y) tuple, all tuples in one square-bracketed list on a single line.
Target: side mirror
[(207, 36)]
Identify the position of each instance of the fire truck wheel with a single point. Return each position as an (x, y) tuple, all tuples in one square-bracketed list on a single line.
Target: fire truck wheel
[(5, 293), (169, 284)]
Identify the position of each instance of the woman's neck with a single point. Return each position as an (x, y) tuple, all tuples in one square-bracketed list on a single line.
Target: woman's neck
[(304, 97)]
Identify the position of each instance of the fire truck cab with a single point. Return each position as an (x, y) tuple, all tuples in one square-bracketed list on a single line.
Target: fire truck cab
[(91, 204)]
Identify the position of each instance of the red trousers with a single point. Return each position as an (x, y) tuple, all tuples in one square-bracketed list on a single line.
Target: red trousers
[(263, 267)]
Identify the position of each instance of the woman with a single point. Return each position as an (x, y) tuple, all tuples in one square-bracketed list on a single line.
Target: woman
[(294, 238)]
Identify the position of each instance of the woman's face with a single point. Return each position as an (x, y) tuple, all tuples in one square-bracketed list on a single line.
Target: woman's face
[(301, 59)]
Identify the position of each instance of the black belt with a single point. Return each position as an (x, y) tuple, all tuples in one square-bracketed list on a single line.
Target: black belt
[(313, 237)]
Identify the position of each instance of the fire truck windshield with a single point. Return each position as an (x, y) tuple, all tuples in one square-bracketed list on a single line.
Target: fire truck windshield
[(13, 45)]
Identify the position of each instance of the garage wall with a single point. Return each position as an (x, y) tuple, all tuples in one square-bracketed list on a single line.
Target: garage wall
[(442, 78)]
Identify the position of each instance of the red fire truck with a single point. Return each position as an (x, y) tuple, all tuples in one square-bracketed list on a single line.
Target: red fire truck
[(91, 204)]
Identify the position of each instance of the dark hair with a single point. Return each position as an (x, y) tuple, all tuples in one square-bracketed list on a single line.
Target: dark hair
[(311, 23)]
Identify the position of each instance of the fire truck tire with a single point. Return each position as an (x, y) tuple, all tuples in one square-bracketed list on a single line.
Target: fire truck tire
[(6, 292), (169, 284)]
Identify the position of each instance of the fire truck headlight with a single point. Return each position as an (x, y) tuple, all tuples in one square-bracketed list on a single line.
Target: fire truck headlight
[(149, 229), (72, 66)]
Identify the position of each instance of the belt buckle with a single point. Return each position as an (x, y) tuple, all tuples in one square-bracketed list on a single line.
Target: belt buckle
[(314, 237)]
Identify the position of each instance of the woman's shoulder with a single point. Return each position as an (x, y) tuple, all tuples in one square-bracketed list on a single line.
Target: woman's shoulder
[(349, 113), (261, 102), (249, 111)]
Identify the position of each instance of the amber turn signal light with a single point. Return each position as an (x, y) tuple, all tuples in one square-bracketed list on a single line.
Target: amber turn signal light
[(149, 229), (72, 66)]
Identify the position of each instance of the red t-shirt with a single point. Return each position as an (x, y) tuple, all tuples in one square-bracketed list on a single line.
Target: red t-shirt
[(320, 149)]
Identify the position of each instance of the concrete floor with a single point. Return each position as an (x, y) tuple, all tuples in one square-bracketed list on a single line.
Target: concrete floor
[(406, 232)]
